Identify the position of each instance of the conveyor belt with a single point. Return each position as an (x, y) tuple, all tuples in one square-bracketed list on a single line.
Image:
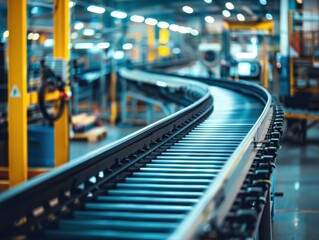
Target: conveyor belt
[(168, 192)]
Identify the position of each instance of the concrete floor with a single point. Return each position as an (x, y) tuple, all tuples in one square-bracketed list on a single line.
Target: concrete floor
[(297, 176)]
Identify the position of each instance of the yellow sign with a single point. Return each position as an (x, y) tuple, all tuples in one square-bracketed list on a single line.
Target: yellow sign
[(15, 93)]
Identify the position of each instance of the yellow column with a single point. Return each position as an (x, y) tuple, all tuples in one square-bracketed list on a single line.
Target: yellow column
[(265, 63), (113, 97), (17, 91), (61, 50), (151, 43)]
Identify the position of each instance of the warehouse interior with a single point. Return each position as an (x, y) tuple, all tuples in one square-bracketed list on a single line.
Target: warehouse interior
[(191, 119)]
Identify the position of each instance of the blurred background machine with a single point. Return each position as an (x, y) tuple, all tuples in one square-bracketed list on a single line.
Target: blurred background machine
[(302, 97)]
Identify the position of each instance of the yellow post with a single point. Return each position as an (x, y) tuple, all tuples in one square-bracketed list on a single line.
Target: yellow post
[(113, 98), (265, 63), (151, 43), (17, 91), (61, 50)]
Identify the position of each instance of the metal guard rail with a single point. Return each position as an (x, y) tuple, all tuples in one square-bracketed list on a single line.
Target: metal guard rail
[(62, 186), (60, 183)]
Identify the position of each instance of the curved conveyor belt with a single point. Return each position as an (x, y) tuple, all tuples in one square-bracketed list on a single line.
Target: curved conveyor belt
[(171, 180)]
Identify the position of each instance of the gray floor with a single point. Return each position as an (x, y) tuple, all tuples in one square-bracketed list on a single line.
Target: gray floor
[(114, 133), (297, 176)]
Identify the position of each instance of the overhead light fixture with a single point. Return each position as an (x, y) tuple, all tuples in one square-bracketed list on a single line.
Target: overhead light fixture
[(246, 55), (96, 9), (194, 32), (226, 13), (88, 32), (33, 36), (182, 30), (269, 16), (299, 1), (36, 36), (229, 6), (103, 45), (79, 26), (151, 21), (83, 45), (127, 46), (208, 1), (5, 34), (188, 9), (189, 29), (263, 2), (173, 27), (30, 36), (161, 84), (72, 4), (119, 14), (240, 17), (209, 19), (162, 24), (118, 55), (74, 35), (137, 18), (176, 50), (48, 42), (34, 10)]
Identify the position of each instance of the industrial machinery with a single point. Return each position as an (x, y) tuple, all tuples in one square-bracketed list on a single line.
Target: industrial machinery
[(201, 173), (245, 50), (301, 97)]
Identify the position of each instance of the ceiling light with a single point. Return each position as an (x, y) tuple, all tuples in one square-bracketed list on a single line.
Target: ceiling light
[(189, 29), (194, 32), (30, 36), (246, 55), (240, 17), (34, 10), (71, 4), (88, 32), (137, 18), (182, 30), (48, 42), (74, 35), (229, 6), (209, 19), (299, 1), (96, 9), (269, 16), (208, 1), (163, 25), (103, 45), (5, 34), (173, 27), (263, 2), (118, 14), (36, 36), (161, 84), (176, 50), (118, 55), (83, 45), (127, 46), (188, 9), (78, 26), (151, 21), (226, 13)]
